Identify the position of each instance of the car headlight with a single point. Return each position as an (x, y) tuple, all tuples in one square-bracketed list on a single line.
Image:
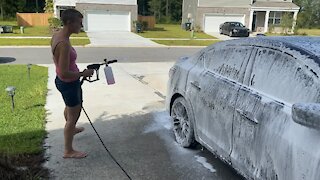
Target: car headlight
[(235, 30)]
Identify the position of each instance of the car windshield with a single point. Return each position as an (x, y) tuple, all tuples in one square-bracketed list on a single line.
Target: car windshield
[(236, 24)]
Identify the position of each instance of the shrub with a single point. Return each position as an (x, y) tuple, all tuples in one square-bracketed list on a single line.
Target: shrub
[(54, 23), (145, 25)]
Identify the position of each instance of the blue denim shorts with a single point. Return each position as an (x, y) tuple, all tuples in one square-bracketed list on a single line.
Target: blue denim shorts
[(71, 92)]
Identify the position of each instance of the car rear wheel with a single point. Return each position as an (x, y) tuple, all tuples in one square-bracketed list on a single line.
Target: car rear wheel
[(183, 122)]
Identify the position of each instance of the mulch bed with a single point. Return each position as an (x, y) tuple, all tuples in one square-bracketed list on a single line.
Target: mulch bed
[(29, 166)]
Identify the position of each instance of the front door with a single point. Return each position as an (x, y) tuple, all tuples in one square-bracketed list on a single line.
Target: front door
[(217, 93)]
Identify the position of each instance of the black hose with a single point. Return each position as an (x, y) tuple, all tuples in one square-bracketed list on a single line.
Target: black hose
[(114, 159)]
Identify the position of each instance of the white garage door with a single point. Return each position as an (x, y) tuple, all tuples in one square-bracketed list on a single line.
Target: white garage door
[(108, 21), (212, 22)]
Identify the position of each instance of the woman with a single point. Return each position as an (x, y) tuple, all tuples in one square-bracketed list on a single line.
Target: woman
[(68, 77)]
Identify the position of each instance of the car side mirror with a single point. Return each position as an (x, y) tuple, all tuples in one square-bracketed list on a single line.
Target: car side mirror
[(307, 114)]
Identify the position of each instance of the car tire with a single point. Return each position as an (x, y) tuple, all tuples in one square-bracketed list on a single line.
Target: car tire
[(230, 33), (183, 119), (220, 31)]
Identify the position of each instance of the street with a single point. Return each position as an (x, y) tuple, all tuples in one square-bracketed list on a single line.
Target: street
[(42, 55)]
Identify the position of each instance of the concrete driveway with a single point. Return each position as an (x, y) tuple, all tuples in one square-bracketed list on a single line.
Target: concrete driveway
[(119, 39), (134, 125)]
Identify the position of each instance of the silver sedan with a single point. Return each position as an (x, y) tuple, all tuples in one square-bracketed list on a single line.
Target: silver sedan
[(254, 102)]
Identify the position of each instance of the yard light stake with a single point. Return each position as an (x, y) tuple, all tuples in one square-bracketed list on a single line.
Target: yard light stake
[(29, 68), (11, 92)]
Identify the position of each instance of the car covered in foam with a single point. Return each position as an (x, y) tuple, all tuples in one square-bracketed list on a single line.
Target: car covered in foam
[(254, 102)]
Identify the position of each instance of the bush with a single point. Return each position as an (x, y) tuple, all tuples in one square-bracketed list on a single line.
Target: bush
[(54, 23), (197, 28), (145, 25)]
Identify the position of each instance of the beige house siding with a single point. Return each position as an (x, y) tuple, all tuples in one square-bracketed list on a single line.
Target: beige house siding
[(202, 11), (224, 3), (189, 6), (274, 1), (83, 7)]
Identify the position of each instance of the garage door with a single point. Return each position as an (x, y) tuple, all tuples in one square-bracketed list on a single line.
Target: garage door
[(108, 21), (212, 22)]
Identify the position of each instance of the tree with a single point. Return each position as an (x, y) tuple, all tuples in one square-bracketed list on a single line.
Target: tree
[(155, 8), (165, 10), (309, 15), (49, 6), (1, 9), (286, 22)]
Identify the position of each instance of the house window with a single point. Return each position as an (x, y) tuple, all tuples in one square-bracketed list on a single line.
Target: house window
[(275, 18)]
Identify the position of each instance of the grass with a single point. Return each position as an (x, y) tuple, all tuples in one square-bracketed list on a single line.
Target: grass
[(38, 42), (301, 32), (32, 31), (186, 42), (172, 31), (309, 32), (23, 131)]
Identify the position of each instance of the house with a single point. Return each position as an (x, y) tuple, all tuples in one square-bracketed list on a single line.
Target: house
[(102, 15), (257, 15)]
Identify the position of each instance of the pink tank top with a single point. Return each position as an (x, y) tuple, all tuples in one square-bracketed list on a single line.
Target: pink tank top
[(72, 64)]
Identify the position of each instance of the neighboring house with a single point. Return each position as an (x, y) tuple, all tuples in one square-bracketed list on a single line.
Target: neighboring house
[(102, 15), (257, 15)]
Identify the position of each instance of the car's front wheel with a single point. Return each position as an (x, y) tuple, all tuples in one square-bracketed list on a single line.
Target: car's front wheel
[(230, 34), (183, 122)]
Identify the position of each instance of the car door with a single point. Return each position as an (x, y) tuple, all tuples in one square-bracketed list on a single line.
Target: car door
[(264, 144), (215, 92)]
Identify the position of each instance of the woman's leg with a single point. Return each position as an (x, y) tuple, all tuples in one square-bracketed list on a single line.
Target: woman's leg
[(77, 129), (72, 114)]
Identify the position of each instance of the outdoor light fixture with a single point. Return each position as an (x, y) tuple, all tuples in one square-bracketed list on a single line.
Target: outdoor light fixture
[(29, 67), (11, 92)]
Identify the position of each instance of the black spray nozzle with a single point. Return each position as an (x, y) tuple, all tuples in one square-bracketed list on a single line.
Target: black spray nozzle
[(112, 61)]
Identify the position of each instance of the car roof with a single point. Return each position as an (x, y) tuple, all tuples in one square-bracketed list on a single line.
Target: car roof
[(233, 22), (308, 46)]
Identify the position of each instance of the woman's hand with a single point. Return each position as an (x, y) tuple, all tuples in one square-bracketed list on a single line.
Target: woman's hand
[(87, 73)]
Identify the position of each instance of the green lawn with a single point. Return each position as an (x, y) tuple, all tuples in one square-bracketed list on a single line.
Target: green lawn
[(23, 131), (303, 32), (38, 42), (172, 31), (32, 31), (186, 42), (309, 32)]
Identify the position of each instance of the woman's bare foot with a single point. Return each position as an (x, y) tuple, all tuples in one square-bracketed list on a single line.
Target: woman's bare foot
[(75, 155), (78, 130)]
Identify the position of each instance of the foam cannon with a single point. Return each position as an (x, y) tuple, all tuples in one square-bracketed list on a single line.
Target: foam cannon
[(107, 70)]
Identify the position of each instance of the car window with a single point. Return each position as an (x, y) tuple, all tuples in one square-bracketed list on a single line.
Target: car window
[(282, 76), (236, 24), (229, 62)]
